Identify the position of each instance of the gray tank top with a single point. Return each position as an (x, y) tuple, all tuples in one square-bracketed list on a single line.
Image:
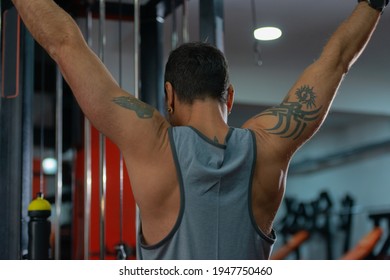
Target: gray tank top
[(215, 219)]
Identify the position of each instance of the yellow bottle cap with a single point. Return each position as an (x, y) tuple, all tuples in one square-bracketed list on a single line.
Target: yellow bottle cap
[(39, 204)]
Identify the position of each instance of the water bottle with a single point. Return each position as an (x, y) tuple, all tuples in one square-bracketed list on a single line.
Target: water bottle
[(39, 228)]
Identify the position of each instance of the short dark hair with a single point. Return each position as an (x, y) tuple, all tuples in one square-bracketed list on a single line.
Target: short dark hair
[(197, 71)]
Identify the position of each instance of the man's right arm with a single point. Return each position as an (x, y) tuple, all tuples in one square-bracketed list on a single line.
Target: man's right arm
[(281, 130), (290, 124)]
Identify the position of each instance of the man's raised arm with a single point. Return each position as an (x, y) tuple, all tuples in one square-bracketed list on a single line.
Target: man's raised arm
[(117, 114), (288, 125)]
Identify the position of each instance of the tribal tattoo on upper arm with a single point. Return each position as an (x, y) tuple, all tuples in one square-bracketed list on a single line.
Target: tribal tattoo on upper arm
[(292, 117), (143, 111)]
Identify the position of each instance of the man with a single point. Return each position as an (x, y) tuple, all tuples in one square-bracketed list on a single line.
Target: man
[(205, 191)]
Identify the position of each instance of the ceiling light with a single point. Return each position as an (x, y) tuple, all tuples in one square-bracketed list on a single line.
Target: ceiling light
[(267, 33), (49, 166)]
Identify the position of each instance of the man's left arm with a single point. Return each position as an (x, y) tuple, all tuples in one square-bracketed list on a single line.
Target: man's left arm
[(117, 114)]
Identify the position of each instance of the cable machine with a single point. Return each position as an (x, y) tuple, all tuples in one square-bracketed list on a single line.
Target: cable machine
[(17, 79)]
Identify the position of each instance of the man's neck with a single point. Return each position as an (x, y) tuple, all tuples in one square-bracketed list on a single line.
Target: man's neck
[(209, 117)]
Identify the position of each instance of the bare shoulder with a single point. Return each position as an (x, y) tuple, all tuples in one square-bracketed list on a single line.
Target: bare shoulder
[(270, 146), (141, 131)]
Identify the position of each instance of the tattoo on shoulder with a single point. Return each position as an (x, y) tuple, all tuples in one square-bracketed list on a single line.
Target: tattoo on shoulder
[(293, 117), (216, 140), (143, 111)]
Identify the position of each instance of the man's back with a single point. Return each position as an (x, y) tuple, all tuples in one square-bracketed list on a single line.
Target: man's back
[(198, 94), (215, 220)]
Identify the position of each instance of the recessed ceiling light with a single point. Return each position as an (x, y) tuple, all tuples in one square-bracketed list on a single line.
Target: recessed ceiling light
[(267, 33)]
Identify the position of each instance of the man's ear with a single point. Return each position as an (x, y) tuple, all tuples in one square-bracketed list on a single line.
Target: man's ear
[(230, 98), (169, 96)]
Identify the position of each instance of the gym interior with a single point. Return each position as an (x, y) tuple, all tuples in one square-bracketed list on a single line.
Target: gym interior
[(55, 167)]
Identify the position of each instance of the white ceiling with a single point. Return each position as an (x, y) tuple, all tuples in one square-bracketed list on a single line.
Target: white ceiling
[(306, 27)]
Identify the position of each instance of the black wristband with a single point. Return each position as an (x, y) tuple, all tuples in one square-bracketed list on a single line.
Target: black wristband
[(376, 4)]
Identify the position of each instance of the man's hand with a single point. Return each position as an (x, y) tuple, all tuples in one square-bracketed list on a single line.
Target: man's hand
[(376, 4)]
